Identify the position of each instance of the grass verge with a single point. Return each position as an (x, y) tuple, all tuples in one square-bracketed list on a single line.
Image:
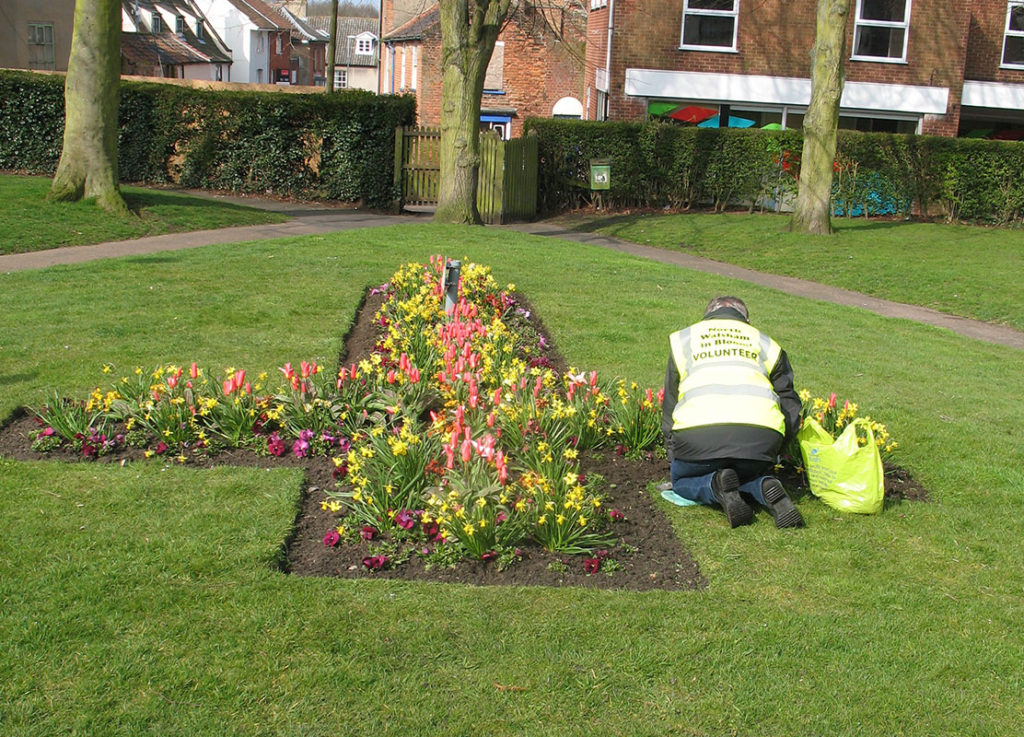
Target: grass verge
[(146, 599), (964, 270), (32, 223)]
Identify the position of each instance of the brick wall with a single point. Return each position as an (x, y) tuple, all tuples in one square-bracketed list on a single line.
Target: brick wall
[(985, 44), (539, 69), (775, 37)]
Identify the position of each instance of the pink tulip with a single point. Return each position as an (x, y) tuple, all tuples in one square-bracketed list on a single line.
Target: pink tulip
[(172, 381), (467, 450), (228, 387), (287, 371), (193, 371), (239, 378)]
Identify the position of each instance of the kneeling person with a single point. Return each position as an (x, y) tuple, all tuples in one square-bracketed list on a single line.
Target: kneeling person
[(729, 407)]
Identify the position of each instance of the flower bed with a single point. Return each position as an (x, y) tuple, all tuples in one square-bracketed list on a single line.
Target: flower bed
[(456, 438)]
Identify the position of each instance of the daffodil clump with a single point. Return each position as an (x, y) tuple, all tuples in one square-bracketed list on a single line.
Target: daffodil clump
[(835, 418)]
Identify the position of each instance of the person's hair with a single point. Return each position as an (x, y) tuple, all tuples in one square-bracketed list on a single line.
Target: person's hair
[(734, 302)]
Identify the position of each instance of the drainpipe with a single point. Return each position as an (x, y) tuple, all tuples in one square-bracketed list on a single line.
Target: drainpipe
[(608, 59), (391, 51)]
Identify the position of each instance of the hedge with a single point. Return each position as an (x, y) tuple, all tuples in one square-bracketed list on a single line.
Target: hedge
[(308, 145), (657, 164)]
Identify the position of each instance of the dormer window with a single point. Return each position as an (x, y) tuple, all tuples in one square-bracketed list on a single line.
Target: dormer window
[(200, 33), (156, 24), (179, 25), (364, 45)]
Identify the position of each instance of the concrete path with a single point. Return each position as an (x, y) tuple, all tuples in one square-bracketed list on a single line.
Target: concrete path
[(312, 219)]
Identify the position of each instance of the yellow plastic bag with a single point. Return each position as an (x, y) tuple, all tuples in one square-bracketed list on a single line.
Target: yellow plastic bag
[(842, 473)]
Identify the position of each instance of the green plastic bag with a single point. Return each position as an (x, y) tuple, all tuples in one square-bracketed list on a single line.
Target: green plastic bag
[(842, 473)]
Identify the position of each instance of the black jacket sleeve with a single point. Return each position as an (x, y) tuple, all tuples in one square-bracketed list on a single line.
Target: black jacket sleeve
[(668, 404), (789, 401)]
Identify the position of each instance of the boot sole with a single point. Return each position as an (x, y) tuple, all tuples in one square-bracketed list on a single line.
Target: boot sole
[(782, 508), (737, 511)]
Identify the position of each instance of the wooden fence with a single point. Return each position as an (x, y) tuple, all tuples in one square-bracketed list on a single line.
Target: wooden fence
[(507, 188)]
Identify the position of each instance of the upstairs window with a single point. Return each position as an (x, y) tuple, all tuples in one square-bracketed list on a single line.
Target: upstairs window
[(156, 24), (364, 45), (710, 25), (1013, 41), (179, 25), (40, 46), (880, 33), (200, 32)]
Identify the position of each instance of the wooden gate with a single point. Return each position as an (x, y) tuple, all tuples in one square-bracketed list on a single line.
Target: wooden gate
[(507, 188)]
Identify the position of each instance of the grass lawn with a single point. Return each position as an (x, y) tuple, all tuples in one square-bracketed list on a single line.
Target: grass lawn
[(145, 599), (962, 270), (31, 223)]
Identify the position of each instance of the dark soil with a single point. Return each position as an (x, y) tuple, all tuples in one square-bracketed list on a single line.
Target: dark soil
[(647, 553)]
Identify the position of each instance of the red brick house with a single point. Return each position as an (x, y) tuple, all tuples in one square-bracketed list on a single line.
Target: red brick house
[(942, 67), (536, 69)]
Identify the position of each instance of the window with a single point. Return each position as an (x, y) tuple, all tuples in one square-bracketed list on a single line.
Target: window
[(401, 71), (710, 24), (179, 25), (200, 33), (340, 79), (364, 45), (279, 42), (1013, 41), (597, 4), (415, 65), (156, 25), (40, 46), (881, 30)]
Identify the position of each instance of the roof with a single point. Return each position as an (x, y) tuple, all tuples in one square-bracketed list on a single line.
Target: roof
[(302, 26), (349, 26), (261, 15), (167, 46), (414, 28)]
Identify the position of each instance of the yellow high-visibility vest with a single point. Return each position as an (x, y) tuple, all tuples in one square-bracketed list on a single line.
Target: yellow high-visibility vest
[(724, 368)]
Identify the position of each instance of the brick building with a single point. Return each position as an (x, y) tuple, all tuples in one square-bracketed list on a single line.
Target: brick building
[(941, 67), (536, 69)]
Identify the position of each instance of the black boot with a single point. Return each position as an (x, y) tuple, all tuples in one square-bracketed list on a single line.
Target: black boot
[(779, 504), (725, 485)]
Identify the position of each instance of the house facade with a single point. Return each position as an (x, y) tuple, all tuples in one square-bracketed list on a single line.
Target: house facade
[(35, 35), (356, 51), (536, 69), (258, 36), (936, 67), (309, 45), (171, 39)]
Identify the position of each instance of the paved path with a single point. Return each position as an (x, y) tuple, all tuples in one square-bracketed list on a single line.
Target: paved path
[(310, 219)]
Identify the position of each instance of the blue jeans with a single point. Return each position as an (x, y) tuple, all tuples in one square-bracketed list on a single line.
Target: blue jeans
[(693, 480)]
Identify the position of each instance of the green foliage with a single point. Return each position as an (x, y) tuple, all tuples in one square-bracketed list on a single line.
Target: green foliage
[(655, 164), (311, 145)]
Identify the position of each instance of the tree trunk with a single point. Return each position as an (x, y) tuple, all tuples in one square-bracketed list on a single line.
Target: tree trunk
[(466, 47), (813, 201), (332, 44), (88, 161)]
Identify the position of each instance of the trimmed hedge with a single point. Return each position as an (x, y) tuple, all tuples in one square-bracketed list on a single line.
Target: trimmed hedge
[(657, 164), (309, 145)]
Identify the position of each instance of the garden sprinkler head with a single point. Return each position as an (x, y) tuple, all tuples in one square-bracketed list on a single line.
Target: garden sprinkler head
[(451, 284)]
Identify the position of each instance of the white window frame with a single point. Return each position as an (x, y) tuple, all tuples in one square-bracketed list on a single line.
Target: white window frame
[(415, 66), (1009, 33), (598, 4), (41, 35), (156, 23), (859, 24), (401, 71), (364, 46), (692, 12), (340, 78)]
